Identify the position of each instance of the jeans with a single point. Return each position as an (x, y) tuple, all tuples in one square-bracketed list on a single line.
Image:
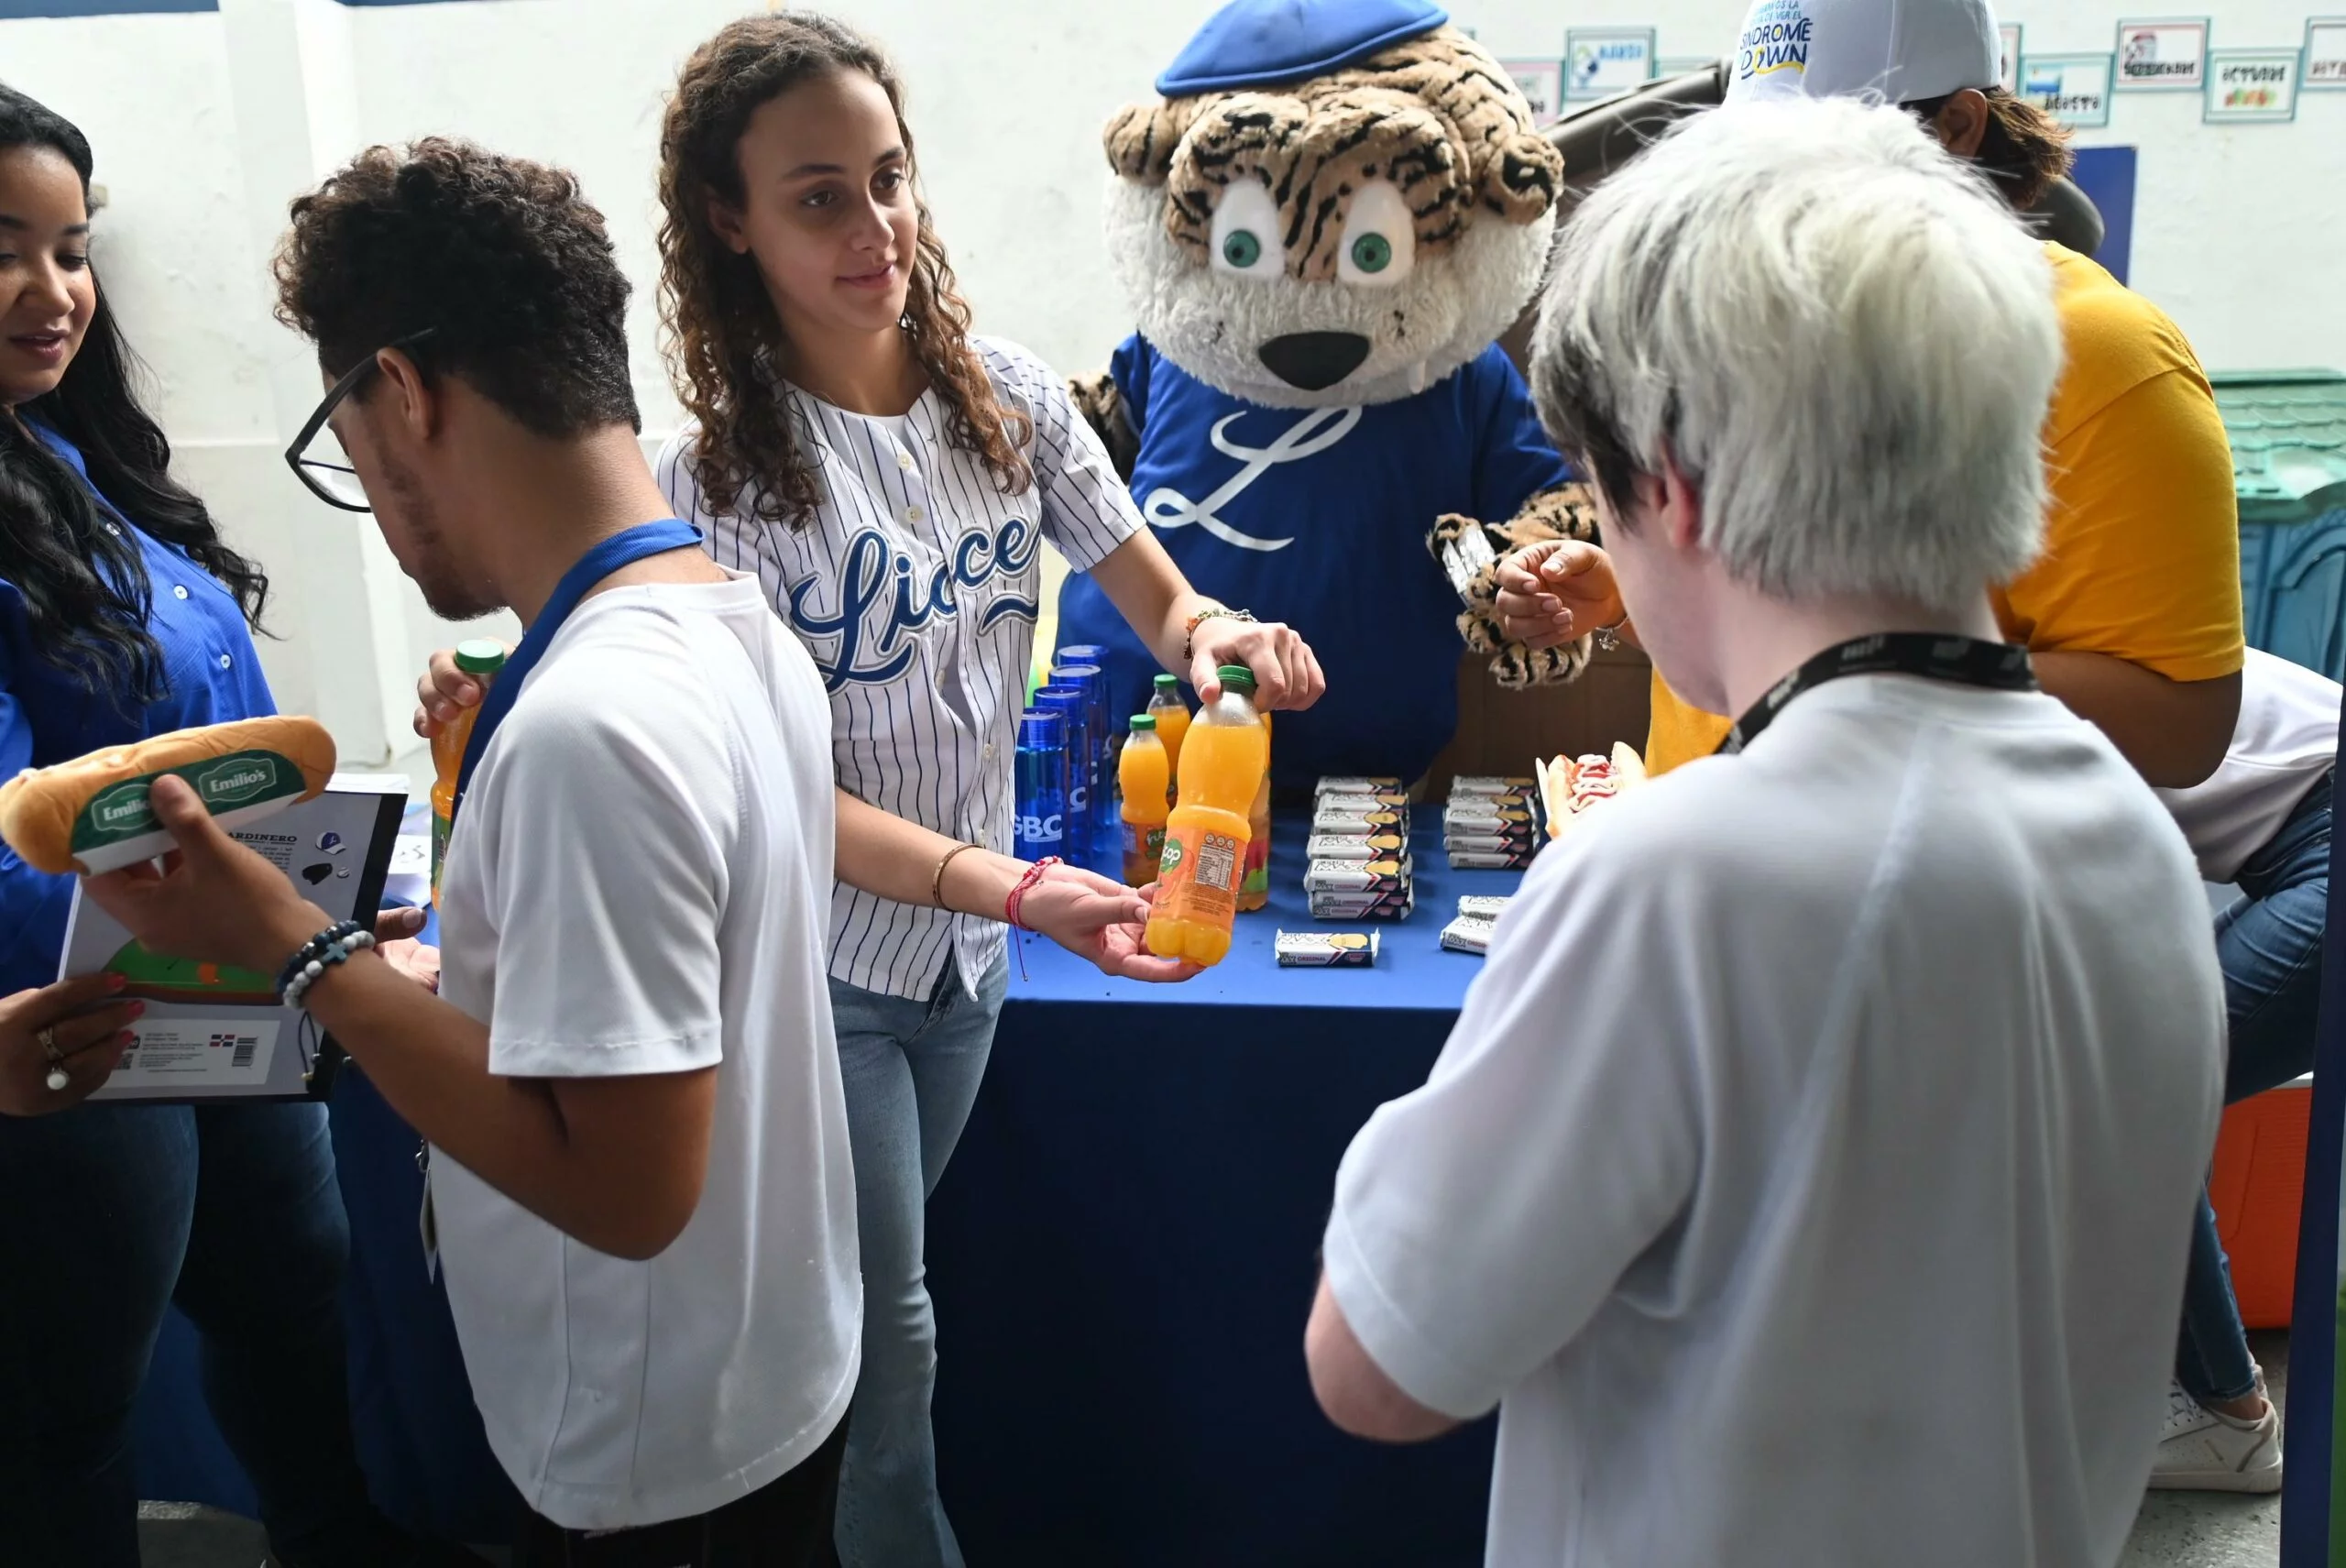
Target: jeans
[(231, 1211), (2269, 943), (911, 1072)]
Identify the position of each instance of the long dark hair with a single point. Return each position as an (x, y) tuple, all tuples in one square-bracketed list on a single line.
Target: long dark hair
[(85, 589), (721, 326)]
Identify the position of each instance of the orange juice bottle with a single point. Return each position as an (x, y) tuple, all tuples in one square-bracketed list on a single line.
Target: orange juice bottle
[(481, 658), (1225, 754), (1142, 769), (1172, 716), (1255, 889)]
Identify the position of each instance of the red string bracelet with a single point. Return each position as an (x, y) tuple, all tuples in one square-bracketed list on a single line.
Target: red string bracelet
[(1009, 905), (1034, 874)]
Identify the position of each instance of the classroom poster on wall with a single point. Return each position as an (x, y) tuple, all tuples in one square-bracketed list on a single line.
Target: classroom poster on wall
[(2161, 56), (2072, 88), (2251, 86), (2325, 67), (2008, 61), (1541, 82), (1604, 62)]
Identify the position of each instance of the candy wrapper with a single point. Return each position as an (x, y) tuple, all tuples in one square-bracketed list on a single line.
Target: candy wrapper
[(1325, 950), (1468, 934), (1359, 823), (1476, 818), (1392, 905), (1357, 876), (1485, 786), (1491, 859), (1482, 906), (1363, 800), (1457, 844), (1356, 847), (1365, 786)]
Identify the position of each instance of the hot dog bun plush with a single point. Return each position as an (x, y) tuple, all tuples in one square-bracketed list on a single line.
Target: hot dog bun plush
[(1570, 787), (90, 815)]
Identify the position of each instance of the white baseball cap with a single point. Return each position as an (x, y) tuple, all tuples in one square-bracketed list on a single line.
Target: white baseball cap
[(1900, 51)]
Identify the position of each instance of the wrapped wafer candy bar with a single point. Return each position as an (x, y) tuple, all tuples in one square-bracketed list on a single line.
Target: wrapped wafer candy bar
[(1325, 950)]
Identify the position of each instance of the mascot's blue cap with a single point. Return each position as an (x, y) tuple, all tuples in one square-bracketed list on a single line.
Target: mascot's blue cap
[(1263, 43)]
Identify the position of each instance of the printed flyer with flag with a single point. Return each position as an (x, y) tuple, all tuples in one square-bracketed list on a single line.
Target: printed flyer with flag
[(213, 1032)]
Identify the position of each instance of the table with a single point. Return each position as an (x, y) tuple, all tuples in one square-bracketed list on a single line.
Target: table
[(1124, 1246), (1123, 1252)]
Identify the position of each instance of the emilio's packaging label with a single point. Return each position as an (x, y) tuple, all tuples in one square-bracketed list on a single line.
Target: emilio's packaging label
[(119, 826)]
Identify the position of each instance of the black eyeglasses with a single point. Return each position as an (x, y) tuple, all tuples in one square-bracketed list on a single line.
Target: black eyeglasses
[(316, 455)]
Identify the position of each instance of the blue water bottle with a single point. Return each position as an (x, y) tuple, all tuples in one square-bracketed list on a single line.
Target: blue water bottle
[(1040, 772), (1102, 760), (1073, 705)]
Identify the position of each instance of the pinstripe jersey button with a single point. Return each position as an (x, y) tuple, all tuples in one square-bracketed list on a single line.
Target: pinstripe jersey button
[(913, 513), (905, 461)]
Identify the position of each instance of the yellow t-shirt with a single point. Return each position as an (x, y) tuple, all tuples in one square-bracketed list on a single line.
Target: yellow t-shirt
[(2142, 537)]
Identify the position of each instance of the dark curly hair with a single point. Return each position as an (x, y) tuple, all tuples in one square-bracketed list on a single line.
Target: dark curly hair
[(501, 258), (723, 331), (85, 589)]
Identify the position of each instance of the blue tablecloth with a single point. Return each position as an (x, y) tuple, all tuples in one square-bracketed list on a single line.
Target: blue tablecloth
[(1124, 1246), (1123, 1252)]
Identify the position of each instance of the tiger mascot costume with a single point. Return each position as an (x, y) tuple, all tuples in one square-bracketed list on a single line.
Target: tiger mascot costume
[(1324, 225)]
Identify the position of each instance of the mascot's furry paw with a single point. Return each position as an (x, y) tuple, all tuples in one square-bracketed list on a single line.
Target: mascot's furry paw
[(1470, 553), (1103, 408)]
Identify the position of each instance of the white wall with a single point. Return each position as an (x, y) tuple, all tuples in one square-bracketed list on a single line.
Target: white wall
[(205, 125)]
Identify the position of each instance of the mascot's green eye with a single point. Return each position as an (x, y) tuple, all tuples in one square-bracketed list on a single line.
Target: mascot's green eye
[(1372, 253), (1241, 249)]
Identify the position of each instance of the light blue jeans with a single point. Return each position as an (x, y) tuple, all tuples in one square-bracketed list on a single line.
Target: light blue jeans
[(911, 1071), (2269, 943)]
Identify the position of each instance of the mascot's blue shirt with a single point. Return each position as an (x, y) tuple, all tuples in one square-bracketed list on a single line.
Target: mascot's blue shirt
[(1318, 518)]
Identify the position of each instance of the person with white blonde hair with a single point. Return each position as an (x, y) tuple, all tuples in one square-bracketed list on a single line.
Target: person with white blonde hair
[(1808, 1178)]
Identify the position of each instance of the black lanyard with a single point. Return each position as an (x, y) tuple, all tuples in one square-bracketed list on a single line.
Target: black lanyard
[(1931, 655), (620, 550)]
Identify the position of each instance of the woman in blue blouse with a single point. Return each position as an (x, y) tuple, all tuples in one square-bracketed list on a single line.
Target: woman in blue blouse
[(122, 615)]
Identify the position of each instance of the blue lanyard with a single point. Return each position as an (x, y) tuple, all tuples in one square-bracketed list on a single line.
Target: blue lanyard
[(620, 550)]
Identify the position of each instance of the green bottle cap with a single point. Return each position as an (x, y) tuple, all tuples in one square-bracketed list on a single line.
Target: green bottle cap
[(481, 656), (1237, 675), (1143, 724), (1168, 685)]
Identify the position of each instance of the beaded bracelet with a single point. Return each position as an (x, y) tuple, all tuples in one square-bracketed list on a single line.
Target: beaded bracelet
[(1211, 612), (330, 947)]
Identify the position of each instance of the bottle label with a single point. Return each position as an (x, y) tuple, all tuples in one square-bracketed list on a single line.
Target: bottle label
[(439, 853), (1144, 841), (1258, 865), (1198, 878)]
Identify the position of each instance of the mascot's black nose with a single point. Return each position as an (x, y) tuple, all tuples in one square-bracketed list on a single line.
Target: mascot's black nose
[(1313, 360)]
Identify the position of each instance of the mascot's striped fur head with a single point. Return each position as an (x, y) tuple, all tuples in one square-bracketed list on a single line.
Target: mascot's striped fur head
[(1349, 238)]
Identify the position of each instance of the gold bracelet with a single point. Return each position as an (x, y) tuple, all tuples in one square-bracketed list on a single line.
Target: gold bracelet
[(937, 883)]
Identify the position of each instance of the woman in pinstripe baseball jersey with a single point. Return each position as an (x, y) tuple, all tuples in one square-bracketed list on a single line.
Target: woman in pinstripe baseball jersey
[(893, 480)]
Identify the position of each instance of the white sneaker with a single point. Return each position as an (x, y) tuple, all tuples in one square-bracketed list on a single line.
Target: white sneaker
[(2202, 1449)]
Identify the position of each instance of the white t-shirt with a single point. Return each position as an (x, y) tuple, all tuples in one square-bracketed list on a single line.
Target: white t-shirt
[(1810, 1176), (2285, 738), (639, 884)]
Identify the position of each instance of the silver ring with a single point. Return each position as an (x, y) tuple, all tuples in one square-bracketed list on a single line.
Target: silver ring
[(48, 1040)]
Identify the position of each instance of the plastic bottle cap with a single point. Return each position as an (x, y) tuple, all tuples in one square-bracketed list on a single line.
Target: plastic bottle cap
[(1143, 721), (481, 656), (1236, 675), (1168, 682)]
